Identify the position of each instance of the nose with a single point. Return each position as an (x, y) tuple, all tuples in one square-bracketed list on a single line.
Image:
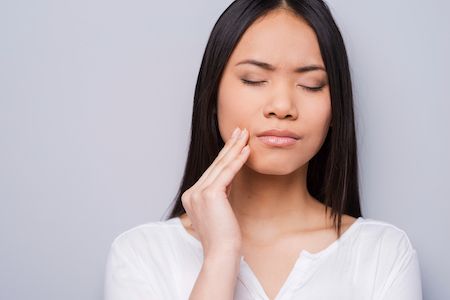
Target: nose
[(281, 102)]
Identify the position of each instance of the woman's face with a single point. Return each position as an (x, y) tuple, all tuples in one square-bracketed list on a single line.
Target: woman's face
[(280, 98)]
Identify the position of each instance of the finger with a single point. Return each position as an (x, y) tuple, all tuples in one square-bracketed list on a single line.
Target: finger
[(231, 155), (226, 175), (228, 145)]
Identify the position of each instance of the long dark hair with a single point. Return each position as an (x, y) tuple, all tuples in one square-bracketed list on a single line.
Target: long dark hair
[(332, 176)]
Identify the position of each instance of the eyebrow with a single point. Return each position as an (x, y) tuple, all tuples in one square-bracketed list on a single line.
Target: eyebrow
[(269, 67)]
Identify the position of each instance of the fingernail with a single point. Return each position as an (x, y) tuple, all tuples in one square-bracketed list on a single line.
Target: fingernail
[(235, 133), (243, 133)]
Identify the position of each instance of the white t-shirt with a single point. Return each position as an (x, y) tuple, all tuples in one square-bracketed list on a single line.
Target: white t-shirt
[(371, 260)]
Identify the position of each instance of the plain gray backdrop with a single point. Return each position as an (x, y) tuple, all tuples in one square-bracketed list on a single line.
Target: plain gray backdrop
[(95, 108)]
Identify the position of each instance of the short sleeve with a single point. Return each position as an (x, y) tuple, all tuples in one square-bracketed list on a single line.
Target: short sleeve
[(126, 278), (405, 284)]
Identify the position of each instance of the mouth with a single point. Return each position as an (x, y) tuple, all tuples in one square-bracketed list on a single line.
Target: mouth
[(278, 138), (277, 141)]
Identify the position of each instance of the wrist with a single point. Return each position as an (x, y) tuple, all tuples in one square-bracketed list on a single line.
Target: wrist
[(223, 255)]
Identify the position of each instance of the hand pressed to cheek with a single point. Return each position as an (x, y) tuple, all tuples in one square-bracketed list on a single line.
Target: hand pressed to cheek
[(233, 154)]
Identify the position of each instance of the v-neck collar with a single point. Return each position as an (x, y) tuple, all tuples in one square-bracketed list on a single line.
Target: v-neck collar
[(303, 268), (248, 278)]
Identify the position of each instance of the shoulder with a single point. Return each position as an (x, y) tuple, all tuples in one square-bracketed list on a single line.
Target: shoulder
[(385, 235), (141, 262), (151, 237), (384, 245), (387, 252)]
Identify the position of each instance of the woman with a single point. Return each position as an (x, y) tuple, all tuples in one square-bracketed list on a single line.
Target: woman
[(270, 211)]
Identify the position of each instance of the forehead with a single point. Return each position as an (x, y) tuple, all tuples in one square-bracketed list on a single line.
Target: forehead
[(280, 38)]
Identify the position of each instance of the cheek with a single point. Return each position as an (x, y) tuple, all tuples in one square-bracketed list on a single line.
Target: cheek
[(317, 114), (233, 109), (230, 114), (318, 124)]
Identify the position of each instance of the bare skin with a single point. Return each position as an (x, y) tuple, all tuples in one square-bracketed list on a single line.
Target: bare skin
[(272, 260), (273, 216)]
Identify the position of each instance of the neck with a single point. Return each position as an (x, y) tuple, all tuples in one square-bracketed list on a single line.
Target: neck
[(267, 206)]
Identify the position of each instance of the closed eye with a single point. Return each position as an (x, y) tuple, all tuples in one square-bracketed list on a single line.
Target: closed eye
[(245, 81), (313, 89), (258, 83)]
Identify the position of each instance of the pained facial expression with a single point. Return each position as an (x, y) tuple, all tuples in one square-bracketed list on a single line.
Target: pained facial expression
[(280, 98)]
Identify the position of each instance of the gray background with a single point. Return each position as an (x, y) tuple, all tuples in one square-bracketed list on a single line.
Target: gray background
[(95, 106)]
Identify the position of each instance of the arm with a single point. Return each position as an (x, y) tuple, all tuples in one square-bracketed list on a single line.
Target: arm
[(217, 278)]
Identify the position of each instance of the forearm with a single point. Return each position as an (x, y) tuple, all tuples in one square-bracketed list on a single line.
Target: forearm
[(217, 278)]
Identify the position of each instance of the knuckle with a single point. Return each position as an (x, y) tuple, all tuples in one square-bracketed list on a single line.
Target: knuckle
[(208, 193), (186, 204), (185, 196), (195, 196)]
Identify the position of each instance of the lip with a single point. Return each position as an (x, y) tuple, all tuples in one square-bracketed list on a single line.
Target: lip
[(277, 141), (279, 133), (278, 138)]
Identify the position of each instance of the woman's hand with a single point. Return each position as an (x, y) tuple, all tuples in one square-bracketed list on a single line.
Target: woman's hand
[(206, 202)]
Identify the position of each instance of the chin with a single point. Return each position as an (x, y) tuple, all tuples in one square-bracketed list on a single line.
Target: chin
[(273, 167)]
